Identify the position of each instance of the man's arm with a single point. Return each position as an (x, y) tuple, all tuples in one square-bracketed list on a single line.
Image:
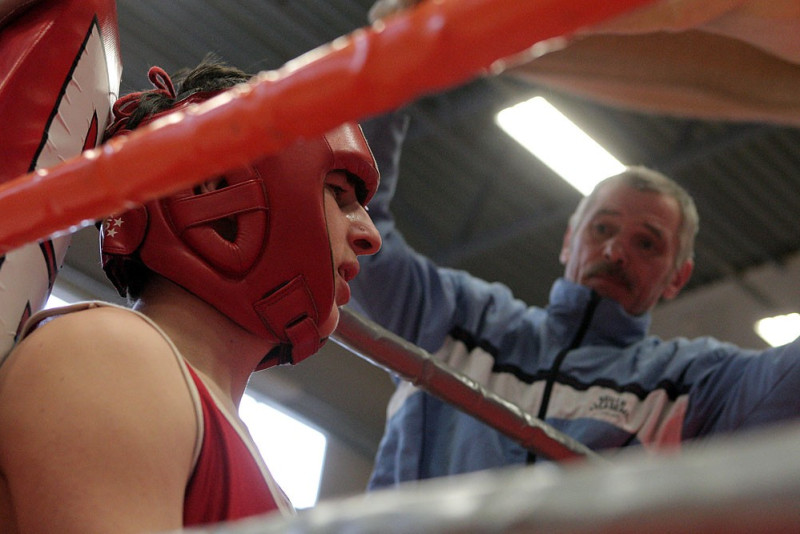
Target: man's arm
[(405, 291), (743, 389), (96, 432), (397, 287)]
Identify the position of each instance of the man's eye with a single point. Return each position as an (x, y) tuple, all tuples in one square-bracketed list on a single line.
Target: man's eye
[(340, 191), (648, 245), (337, 190), (343, 194)]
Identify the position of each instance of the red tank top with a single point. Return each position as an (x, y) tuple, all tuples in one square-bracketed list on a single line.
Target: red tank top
[(227, 482)]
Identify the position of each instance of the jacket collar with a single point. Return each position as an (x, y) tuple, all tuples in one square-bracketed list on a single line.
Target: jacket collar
[(610, 323)]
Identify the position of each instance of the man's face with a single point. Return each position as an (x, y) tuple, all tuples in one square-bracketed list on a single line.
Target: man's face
[(351, 233), (625, 248)]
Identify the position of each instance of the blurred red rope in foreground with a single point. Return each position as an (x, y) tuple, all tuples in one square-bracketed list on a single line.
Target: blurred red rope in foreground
[(436, 45)]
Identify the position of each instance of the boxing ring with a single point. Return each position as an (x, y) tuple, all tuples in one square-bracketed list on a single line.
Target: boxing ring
[(743, 486), (749, 484)]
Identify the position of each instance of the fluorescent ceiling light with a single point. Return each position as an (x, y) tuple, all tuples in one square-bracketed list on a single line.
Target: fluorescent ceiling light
[(780, 329), (559, 143)]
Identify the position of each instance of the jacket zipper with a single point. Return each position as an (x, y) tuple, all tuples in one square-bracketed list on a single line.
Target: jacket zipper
[(576, 342)]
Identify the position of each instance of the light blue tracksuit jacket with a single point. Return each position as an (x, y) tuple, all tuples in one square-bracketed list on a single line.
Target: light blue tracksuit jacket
[(582, 363)]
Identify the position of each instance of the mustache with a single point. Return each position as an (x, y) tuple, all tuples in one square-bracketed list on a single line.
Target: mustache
[(611, 270)]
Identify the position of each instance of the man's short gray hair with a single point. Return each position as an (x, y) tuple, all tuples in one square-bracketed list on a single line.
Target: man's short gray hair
[(644, 179)]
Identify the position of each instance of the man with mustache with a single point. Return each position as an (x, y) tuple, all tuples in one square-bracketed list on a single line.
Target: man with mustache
[(585, 363), (632, 240)]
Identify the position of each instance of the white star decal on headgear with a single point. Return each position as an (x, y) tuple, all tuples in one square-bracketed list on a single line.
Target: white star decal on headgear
[(111, 224)]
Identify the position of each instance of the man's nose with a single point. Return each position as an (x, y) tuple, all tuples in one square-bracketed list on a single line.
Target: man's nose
[(363, 236), (614, 251)]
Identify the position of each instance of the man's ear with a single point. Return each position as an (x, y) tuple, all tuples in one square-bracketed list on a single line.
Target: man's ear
[(563, 257), (679, 279)]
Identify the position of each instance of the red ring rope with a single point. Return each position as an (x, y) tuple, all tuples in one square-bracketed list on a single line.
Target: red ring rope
[(413, 53)]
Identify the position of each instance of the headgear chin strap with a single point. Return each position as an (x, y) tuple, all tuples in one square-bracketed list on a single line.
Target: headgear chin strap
[(256, 248)]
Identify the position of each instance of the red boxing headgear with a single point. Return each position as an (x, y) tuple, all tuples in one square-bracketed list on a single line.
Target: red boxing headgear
[(273, 274)]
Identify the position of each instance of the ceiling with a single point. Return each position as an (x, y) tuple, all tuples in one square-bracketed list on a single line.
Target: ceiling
[(471, 198)]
